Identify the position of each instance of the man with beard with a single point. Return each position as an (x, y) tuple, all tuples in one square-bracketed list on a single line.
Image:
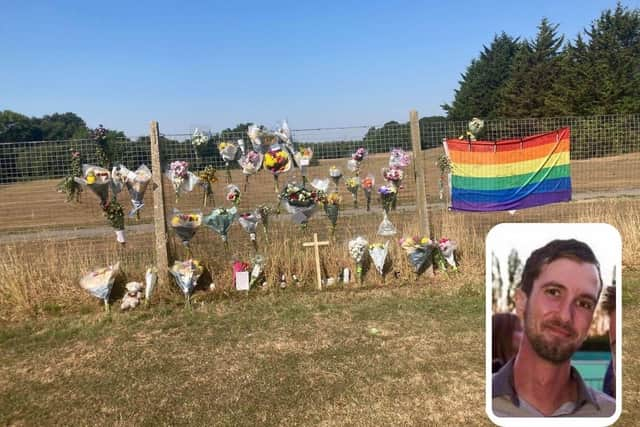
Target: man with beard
[(555, 300)]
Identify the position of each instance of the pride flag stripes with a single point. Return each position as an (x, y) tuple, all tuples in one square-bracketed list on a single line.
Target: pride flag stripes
[(510, 174)]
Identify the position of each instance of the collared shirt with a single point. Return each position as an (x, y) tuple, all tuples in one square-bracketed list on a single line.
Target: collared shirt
[(506, 403)]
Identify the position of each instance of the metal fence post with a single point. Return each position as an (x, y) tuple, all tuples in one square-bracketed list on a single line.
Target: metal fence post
[(418, 170), (159, 221)]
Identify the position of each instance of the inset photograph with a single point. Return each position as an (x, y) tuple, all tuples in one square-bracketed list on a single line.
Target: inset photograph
[(553, 303)]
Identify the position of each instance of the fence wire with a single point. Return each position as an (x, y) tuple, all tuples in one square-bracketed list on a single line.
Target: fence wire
[(605, 163)]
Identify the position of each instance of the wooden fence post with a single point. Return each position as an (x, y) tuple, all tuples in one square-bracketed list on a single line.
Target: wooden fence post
[(159, 220), (418, 171)]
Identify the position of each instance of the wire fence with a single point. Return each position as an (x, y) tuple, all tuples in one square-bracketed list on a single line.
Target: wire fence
[(605, 163)]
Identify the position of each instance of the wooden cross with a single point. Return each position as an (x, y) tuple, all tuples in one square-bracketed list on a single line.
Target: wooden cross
[(316, 244)]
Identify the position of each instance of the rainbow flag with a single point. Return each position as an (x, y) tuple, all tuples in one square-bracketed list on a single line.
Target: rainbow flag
[(510, 174)]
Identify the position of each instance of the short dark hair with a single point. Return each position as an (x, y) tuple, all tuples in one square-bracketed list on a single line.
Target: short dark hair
[(609, 299), (557, 249)]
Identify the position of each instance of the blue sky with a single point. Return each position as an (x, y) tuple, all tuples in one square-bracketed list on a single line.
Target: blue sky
[(219, 63)]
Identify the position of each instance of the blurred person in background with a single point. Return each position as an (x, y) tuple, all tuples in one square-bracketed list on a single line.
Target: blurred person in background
[(609, 306), (506, 336)]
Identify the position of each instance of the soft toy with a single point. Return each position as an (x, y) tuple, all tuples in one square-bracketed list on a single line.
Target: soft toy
[(133, 295), (475, 126)]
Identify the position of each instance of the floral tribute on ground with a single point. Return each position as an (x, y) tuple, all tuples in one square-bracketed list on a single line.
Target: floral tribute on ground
[(100, 282)]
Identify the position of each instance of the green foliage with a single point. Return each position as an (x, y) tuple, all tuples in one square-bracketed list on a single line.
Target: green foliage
[(478, 95)]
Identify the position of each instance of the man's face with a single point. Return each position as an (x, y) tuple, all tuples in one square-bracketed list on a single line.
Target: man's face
[(558, 313)]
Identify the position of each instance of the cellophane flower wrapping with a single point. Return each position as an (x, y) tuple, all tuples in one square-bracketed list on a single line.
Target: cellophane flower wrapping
[(447, 248), (321, 185), (332, 207), (257, 271), (388, 195), (228, 151), (97, 179), (206, 179), (353, 166), (199, 138), (353, 185), (220, 220), (277, 160), (283, 133), (186, 225), (399, 158), (186, 274), (367, 187), (100, 282), (393, 175), (136, 183), (357, 250), (181, 179), (378, 253), (249, 222), (299, 202), (335, 173), (419, 251), (150, 281), (232, 194), (386, 227), (251, 163), (303, 158)]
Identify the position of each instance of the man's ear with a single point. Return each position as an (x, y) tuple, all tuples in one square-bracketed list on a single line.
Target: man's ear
[(521, 303)]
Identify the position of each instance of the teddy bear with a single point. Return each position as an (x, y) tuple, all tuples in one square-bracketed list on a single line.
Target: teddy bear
[(133, 295)]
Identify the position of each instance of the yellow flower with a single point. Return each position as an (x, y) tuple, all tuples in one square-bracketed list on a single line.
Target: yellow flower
[(425, 241), (175, 221)]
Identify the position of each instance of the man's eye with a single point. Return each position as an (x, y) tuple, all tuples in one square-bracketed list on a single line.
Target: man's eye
[(552, 292), (587, 305)]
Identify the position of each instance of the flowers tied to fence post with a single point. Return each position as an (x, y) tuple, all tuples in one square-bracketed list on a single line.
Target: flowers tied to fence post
[(356, 160), (358, 250), (367, 188), (353, 185), (277, 161), (185, 226), (264, 212), (335, 174), (181, 178), (199, 140), (103, 156), (207, 177), (394, 177), (331, 204), (388, 195), (220, 220), (229, 152), (115, 215), (250, 164), (300, 203), (249, 223), (303, 158), (233, 194), (447, 250), (68, 185), (444, 164)]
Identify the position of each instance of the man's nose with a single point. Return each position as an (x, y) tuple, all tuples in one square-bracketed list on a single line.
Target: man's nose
[(566, 312)]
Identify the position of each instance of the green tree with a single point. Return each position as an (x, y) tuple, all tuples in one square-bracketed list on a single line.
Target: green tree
[(534, 73), (478, 94), (62, 126), (16, 127)]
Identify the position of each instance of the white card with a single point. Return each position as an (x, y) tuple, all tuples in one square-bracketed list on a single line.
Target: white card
[(304, 162), (242, 281)]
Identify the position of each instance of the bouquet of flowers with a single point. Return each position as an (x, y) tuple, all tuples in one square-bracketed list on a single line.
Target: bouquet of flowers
[(233, 194), (249, 222), (447, 250), (303, 158), (256, 135), (102, 148), (357, 250), (419, 251), (220, 220), (321, 185), (150, 280), (250, 164), (229, 152), (99, 282), (206, 179), (353, 185), (180, 177), (199, 138), (367, 187), (299, 202), (399, 158), (444, 164), (387, 197), (283, 133), (186, 274), (68, 185), (335, 174), (393, 176), (332, 208), (257, 272), (97, 179), (264, 212), (277, 161), (186, 225), (136, 183), (378, 253), (115, 215), (356, 159)]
